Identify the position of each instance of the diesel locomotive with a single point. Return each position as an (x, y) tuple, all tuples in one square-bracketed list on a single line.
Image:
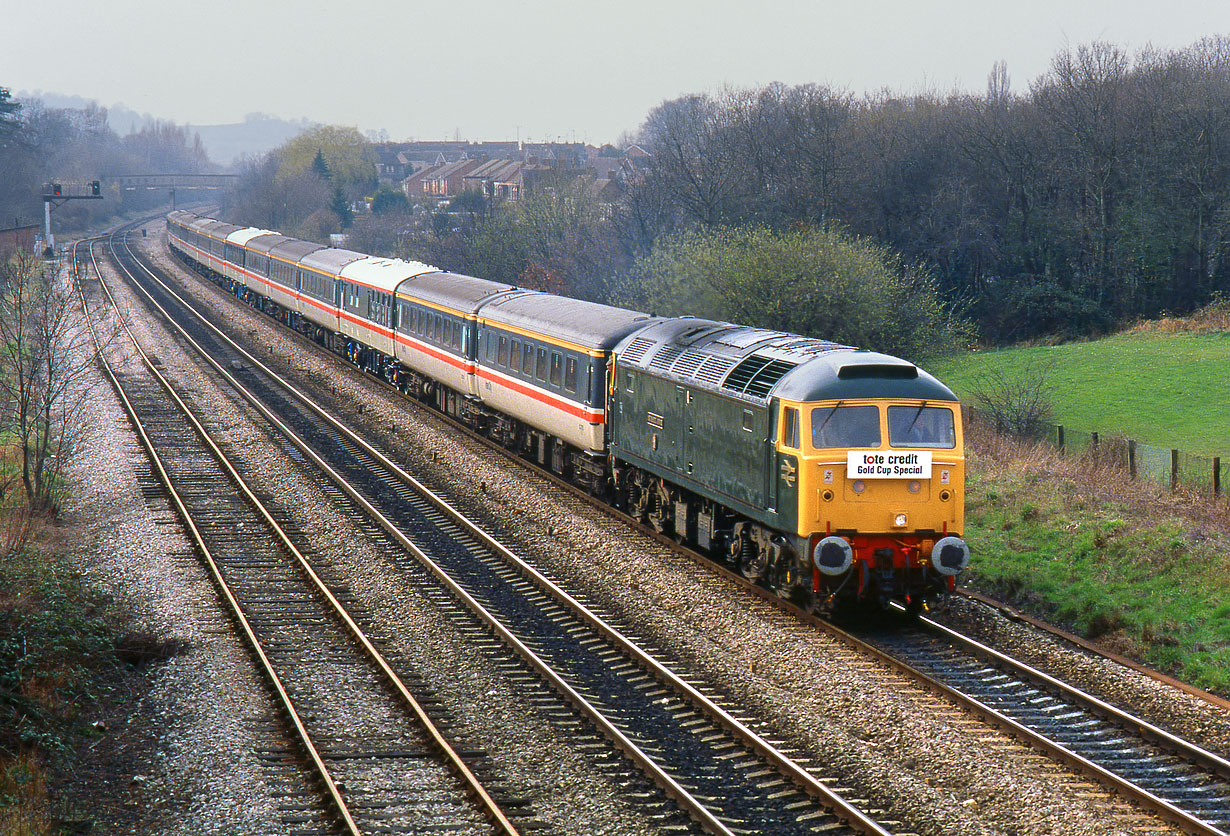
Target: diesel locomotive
[(830, 474)]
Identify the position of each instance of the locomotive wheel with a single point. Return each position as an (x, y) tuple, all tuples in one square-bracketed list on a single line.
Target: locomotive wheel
[(791, 583), (753, 561)]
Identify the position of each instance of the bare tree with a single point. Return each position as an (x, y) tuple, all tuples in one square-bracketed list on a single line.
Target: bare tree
[(1018, 401), (45, 354)]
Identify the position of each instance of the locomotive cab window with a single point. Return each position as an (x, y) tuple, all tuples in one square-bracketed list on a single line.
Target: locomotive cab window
[(921, 426), (845, 426), (790, 428)]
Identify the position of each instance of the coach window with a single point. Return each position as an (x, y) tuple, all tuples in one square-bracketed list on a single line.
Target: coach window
[(527, 365), (790, 428), (540, 369), (570, 375), (458, 335), (515, 357), (557, 364), (502, 357)]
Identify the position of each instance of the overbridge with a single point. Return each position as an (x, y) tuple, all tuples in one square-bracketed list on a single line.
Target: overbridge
[(173, 181)]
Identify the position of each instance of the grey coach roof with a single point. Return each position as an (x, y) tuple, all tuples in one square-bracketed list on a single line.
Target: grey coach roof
[(451, 290), (265, 243), (330, 260), (573, 320), (292, 249)]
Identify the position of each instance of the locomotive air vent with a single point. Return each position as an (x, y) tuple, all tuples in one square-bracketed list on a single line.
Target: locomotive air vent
[(636, 349), (714, 370), (756, 375), (688, 363), (665, 356)]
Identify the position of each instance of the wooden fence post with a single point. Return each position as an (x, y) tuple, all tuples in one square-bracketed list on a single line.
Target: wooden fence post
[(1094, 437), (1217, 476), (1059, 435), (1174, 468), (1132, 459)]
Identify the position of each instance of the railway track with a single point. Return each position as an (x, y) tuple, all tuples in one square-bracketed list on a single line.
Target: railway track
[(1185, 788), (712, 764), (391, 772)]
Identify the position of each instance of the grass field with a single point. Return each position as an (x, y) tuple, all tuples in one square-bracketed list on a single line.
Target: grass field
[(1164, 389)]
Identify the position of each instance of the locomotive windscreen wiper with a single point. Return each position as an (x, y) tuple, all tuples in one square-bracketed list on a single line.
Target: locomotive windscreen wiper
[(916, 416)]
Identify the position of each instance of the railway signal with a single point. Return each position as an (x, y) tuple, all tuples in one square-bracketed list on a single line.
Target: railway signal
[(53, 199)]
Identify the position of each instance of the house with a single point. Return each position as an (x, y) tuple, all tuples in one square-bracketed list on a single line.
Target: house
[(497, 179), (18, 238), (445, 180), (389, 165)]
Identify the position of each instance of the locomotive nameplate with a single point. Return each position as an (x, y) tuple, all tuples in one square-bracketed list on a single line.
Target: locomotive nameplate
[(888, 464)]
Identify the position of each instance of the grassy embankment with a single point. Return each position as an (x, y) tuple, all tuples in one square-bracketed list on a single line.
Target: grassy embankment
[(1128, 563)]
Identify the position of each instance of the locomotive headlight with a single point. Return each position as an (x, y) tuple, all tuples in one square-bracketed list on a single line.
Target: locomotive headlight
[(859, 486), (899, 521), (914, 486)]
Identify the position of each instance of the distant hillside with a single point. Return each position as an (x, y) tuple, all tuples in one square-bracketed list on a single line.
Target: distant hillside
[(256, 134)]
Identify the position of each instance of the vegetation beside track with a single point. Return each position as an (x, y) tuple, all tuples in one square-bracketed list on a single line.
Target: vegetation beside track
[(1132, 566), (65, 650)]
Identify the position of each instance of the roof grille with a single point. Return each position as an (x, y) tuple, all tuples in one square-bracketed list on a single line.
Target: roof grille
[(665, 356), (714, 370), (688, 363), (756, 375), (636, 349)]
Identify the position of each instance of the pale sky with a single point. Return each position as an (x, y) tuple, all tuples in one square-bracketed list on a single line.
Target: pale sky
[(540, 70)]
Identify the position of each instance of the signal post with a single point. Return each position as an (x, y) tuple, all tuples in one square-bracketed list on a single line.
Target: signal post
[(54, 198)]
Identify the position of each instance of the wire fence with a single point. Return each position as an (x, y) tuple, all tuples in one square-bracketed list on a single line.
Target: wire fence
[(1166, 466)]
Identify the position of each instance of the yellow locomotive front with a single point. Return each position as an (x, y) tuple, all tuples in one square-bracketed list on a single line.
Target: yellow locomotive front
[(880, 495)]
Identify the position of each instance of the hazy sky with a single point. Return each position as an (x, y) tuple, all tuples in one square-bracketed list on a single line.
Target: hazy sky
[(499, 69)]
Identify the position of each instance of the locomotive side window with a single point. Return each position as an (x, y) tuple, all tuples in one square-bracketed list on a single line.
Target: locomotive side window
[(921, 426), (845, 426), (790, 428)]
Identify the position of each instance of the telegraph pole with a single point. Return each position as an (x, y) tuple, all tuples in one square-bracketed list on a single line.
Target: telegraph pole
[(54, 198)]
